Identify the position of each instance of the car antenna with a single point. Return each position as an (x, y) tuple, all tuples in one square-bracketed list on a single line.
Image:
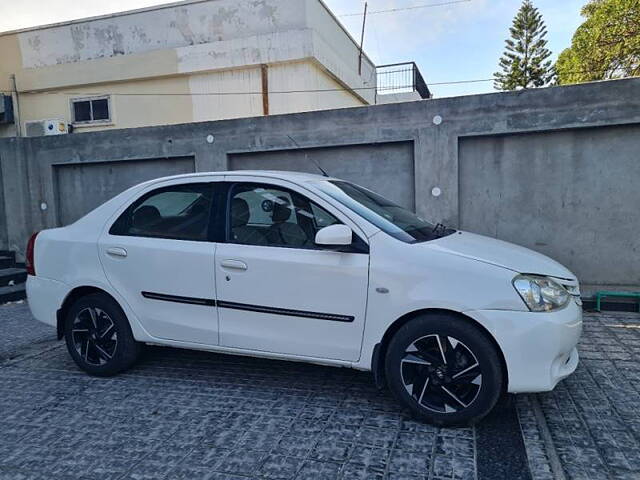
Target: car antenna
[(306, 156)]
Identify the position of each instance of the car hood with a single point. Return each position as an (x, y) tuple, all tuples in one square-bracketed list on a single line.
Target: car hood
[(499, 253)]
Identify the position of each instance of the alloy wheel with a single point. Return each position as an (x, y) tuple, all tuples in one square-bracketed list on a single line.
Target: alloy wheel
[(441, 373), (94, 336)]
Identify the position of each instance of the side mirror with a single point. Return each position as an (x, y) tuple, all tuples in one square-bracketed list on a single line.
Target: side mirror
[(334, 235)]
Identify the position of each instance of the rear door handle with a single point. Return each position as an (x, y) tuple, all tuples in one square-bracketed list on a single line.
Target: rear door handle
[(234, 264), (117, 252)]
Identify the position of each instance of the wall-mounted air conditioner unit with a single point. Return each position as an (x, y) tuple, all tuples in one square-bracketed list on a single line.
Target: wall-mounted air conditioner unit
[(6, 109), (40, 128)]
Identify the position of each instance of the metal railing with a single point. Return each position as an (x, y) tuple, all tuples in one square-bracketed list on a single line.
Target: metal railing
[(401, 78)]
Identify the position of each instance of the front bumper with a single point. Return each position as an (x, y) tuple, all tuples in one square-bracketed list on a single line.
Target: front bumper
[(539, 348)]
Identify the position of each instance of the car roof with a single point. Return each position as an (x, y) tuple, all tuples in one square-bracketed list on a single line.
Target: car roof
[(282, 174)]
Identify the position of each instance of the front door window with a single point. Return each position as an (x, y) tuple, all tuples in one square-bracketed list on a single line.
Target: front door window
[(275, 217)]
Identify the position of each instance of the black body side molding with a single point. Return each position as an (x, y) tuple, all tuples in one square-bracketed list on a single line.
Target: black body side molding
[(209, 302)]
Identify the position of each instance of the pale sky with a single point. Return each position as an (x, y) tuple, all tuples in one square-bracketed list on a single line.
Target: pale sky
[(455, 42)]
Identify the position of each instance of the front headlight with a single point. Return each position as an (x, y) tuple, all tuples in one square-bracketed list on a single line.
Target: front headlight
[(541, 294)]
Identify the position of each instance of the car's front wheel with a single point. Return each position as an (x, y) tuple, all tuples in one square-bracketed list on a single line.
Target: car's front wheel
[(444, 369), (99, 337)]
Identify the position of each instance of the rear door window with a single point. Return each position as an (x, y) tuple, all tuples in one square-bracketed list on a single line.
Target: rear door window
[(180, 212)]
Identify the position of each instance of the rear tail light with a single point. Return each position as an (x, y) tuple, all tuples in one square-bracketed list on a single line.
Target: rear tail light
[(30, 260)]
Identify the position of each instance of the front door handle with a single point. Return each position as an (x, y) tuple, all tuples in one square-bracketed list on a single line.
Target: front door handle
[(117, 252), (234, 264)]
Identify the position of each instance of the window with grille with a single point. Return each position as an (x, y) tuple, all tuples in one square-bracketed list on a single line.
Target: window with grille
[(91, 110)]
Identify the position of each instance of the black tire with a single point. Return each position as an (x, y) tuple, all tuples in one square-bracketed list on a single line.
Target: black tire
[(107, 347), (429, 369)]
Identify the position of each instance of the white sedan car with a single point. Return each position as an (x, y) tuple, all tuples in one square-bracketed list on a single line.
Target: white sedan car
[(308, 268)]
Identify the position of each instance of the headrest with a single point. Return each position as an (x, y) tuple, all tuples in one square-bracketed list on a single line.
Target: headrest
[(239, 212), (145, 216), (281, 210)]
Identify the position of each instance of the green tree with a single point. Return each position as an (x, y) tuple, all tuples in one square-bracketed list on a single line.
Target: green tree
[(525, 62), (605, 46)]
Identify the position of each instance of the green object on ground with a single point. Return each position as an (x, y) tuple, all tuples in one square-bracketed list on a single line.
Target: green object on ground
[(605, 293)]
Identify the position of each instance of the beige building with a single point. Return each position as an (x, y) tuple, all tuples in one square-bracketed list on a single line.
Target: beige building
[(191, 61)]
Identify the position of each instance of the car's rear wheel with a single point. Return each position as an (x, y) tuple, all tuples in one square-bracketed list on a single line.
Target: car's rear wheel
[(444, 369), (99, 337)]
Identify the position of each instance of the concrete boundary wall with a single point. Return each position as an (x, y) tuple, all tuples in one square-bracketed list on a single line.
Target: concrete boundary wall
[(436, 129)]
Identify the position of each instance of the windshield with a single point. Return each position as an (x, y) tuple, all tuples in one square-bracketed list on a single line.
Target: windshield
[(392, 219)]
